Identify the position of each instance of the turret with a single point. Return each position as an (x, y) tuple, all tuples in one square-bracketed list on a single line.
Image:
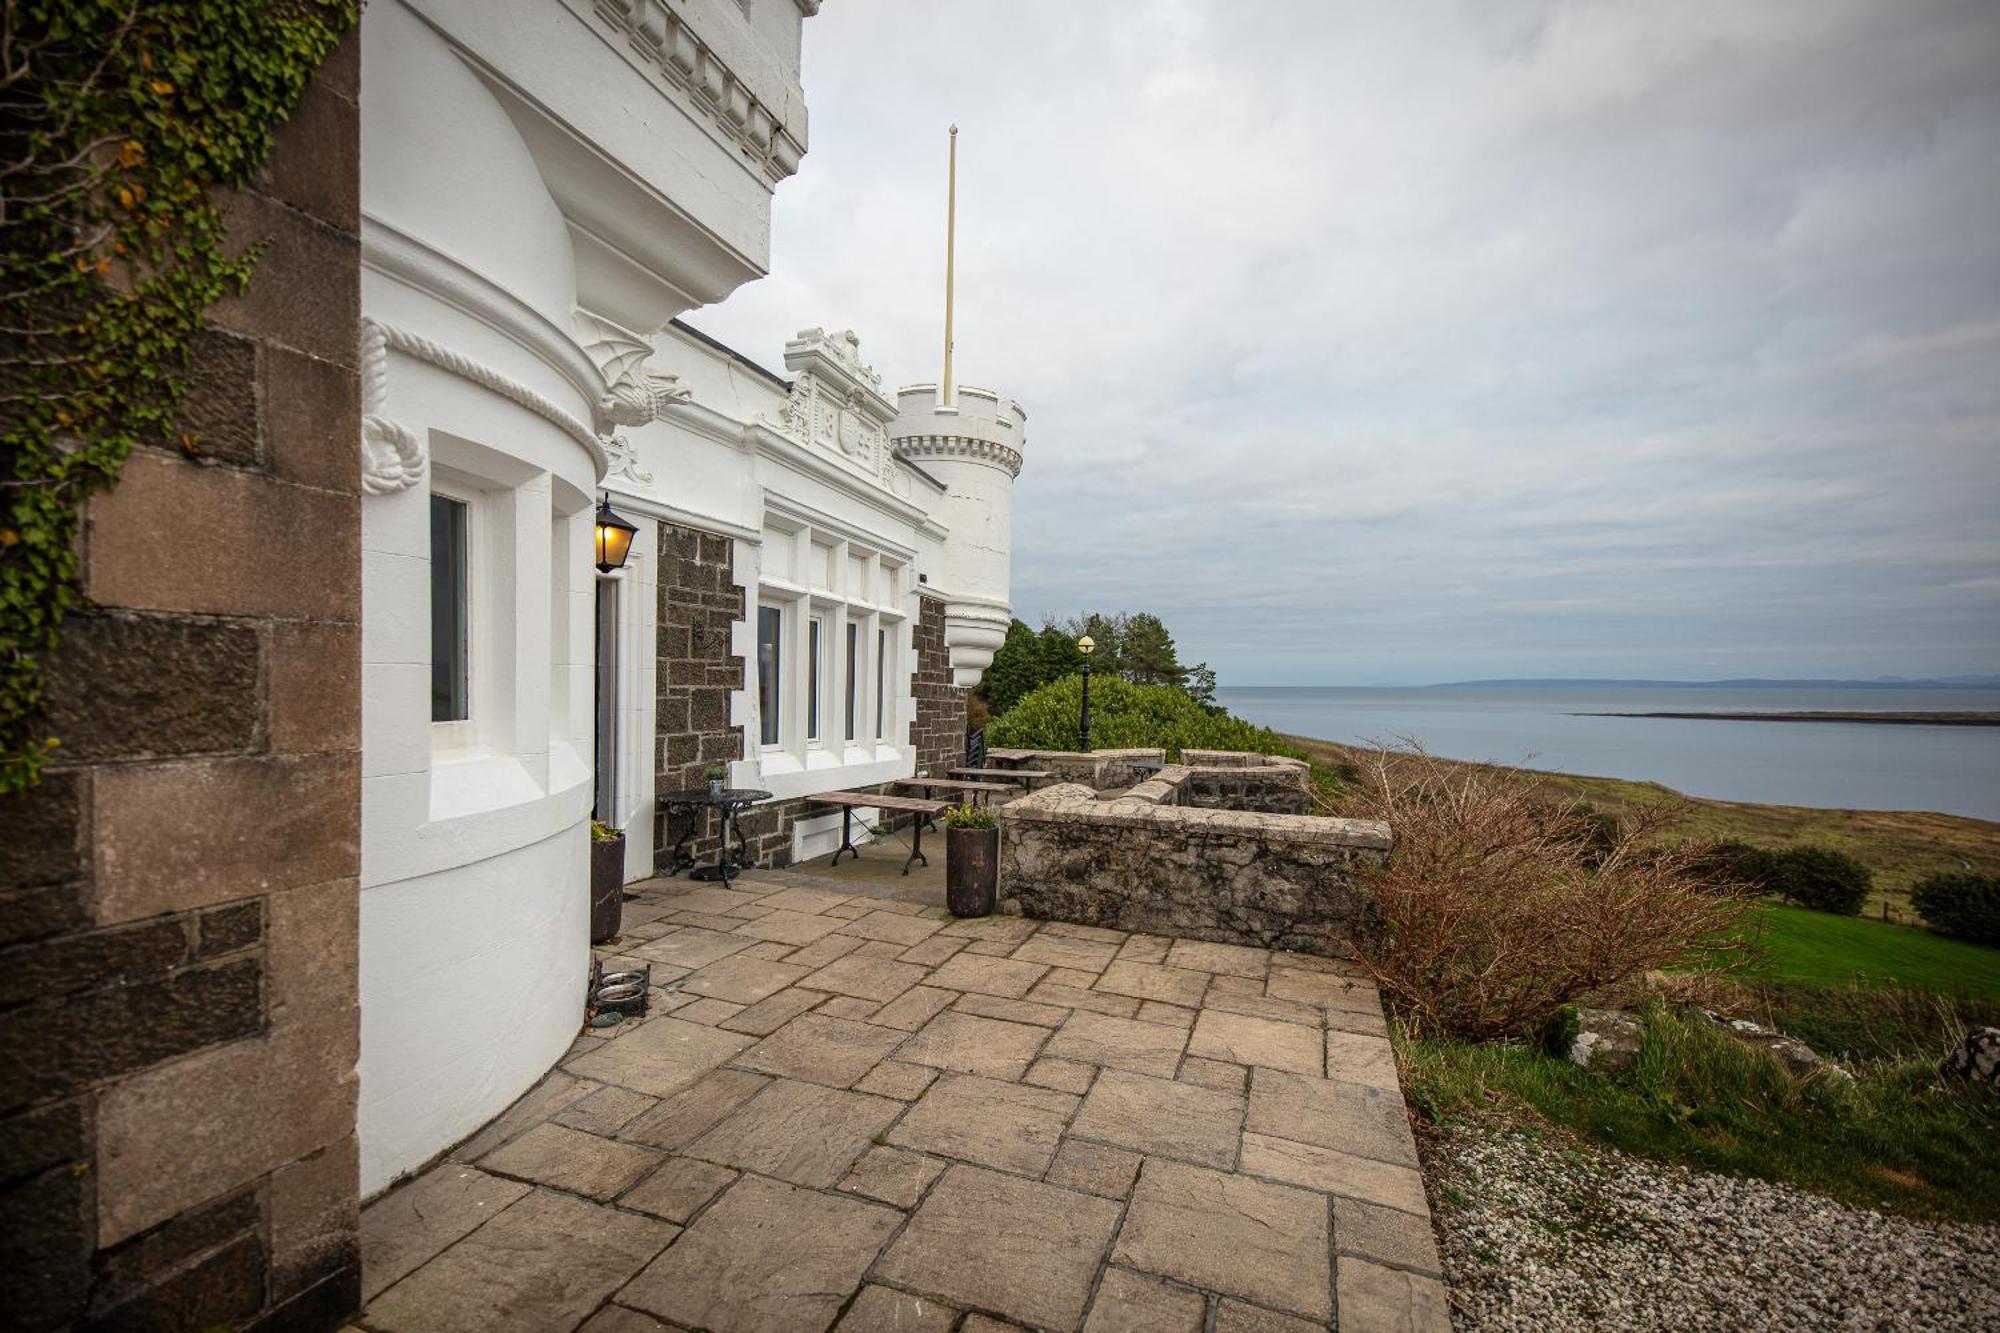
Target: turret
[(973, 446)]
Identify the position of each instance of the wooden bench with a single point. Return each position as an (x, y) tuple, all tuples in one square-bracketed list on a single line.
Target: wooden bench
[(1010, 756), (1027, 777), (982, 790), (850, 801)]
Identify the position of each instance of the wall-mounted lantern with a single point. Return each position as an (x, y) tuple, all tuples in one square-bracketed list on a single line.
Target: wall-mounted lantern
[(614, 538)]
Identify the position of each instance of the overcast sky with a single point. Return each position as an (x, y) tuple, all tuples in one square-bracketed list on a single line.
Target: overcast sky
[(1407, 342)]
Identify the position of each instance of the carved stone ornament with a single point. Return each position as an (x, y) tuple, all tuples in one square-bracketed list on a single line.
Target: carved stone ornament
[(633, 395), (392, 455), (624, 459)]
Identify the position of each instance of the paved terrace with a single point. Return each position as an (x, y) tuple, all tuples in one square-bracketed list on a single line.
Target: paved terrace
[(858, 1112)]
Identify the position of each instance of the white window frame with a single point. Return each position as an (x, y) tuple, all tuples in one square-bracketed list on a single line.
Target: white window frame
[(460, 737)]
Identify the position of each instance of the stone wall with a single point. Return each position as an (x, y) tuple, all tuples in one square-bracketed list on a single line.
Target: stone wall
[(178, 1022), (938, 730), (1140, 862), (700, 603)]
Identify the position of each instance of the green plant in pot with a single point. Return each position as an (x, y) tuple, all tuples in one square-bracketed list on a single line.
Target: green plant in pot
[(607, 881), (718, 777), (971, 860)]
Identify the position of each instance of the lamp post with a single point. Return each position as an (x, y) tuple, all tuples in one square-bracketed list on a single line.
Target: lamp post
[(1086, 645), (614, 538)]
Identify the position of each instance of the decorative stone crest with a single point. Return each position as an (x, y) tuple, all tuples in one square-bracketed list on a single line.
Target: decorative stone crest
[(836, 402)]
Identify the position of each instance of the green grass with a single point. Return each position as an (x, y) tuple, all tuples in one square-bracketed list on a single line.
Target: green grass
[(1819, 949), (1897, 1139)]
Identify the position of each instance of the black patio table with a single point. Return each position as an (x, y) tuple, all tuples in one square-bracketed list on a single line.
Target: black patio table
[(729, 803)]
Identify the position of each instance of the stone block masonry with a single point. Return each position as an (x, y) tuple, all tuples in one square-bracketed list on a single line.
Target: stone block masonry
[(178, 903), (1140, 861), (698, 671), (938, 730)]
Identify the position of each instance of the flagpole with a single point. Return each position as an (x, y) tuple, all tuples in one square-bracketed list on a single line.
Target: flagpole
[(950, 242)]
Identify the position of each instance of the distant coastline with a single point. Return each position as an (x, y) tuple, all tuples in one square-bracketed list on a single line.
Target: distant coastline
[(1886, 717)]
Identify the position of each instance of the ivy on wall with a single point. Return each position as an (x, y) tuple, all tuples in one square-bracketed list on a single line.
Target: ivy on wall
[(119, 122)]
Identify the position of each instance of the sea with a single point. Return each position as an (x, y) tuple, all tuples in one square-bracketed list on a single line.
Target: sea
[(1554, 726)]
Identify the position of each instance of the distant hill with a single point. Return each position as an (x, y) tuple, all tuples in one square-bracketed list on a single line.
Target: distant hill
[(1745, 683)]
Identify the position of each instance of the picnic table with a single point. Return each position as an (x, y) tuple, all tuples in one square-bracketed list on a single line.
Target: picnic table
[(850, 801), (980, 791), (1027, 777)]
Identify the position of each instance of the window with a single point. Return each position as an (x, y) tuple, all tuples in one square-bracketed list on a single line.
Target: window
[(450, 668), (813, 674), (881, 680), (853, 674), (605, 793), (770, 626)]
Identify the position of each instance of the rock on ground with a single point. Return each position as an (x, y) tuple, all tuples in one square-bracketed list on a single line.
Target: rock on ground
[(1538, 1236)]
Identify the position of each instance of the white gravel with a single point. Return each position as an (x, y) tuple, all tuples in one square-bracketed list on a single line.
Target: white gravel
[(1537, 1236)]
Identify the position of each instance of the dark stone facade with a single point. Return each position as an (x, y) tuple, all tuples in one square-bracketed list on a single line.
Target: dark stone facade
[(700, 602), (938, 731), (178, 896), (697, 671)]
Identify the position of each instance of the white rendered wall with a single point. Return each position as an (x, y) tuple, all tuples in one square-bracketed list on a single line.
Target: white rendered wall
[(475, 853)]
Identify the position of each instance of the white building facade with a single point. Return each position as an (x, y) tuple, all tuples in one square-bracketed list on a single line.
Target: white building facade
[(819, 570)]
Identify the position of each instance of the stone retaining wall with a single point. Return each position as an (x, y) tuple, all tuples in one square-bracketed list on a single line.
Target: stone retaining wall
[(1172, 856)]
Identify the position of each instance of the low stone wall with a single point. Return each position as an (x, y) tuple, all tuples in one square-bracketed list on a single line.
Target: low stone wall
[(1139, 861)]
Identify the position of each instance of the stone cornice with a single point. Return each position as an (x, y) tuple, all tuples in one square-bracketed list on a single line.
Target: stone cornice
[(916, 448), (669, 46)]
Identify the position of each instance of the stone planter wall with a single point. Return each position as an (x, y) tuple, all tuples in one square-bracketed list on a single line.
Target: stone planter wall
[(1140, 861)]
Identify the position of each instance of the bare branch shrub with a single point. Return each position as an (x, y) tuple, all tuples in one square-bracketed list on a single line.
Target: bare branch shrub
[(1499, 907)]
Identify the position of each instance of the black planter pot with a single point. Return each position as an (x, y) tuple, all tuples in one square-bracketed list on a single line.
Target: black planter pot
[(607, 888), (971, 870)]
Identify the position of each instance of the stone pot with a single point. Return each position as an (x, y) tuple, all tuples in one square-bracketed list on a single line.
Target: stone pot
[(971, 870), (607, 888), (715, 786)]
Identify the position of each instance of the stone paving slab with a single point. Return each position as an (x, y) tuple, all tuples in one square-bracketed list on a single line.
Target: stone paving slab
[(858, 1112)]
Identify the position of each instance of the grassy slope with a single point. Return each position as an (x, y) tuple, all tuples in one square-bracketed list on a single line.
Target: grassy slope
[(1823, 950), (1900, 846), (1897, 1139)]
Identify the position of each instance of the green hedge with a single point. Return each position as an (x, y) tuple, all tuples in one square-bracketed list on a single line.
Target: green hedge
[(1960, 904), (1819, 878), (1124, 716)]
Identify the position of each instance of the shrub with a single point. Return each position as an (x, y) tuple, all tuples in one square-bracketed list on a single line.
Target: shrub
[(1124, 716), (1733, 866), (969, 816), (1819, 878), (1960, 904), (1498, 908)]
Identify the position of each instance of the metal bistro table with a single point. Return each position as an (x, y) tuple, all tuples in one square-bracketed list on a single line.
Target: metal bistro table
[(729, 803)]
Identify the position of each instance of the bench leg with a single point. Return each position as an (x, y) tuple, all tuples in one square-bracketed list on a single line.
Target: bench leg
[(846, 837), (916, 846)]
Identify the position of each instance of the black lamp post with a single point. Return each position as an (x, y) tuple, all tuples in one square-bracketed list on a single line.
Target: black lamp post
[(614, 538), (1086, 645)]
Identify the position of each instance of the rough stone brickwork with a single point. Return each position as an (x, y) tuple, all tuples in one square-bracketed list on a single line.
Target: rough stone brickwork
[(938, 730), (178, 902), (1138, 861), (700, 602)]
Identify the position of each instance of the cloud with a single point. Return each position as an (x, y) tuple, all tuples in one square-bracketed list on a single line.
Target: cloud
[(1446, 340)]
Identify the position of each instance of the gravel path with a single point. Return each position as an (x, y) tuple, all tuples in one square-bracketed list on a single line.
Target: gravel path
[(1537, 1236)]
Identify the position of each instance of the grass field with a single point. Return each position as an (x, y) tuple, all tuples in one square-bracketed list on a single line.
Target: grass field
[(1901, 847), (1819, 949)]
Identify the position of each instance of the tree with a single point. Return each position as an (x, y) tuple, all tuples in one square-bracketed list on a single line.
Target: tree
[(1200, 685), (1016, 669), (1146, 652)]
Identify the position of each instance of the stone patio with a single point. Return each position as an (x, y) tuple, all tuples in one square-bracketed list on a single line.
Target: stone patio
[(852, 1111)]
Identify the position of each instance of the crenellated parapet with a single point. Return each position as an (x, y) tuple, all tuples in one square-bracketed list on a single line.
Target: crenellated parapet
[(973, 445)]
